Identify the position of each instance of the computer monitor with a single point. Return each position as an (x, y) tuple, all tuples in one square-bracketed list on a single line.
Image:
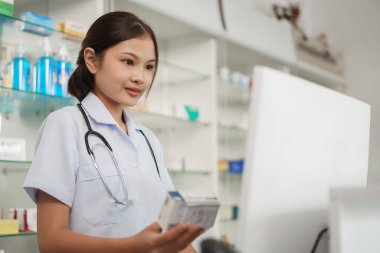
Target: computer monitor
[(303, 139)]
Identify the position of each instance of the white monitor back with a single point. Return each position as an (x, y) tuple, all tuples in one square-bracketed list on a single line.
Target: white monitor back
[(303, 139)]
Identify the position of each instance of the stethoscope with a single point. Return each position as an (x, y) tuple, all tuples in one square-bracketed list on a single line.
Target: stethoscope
[(113, 199)]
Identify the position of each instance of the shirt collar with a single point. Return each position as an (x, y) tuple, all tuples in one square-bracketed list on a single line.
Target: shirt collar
[(98, 112), (133, 129)]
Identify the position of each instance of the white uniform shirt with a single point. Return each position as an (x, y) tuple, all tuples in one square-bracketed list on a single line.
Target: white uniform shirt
[(63, 168)]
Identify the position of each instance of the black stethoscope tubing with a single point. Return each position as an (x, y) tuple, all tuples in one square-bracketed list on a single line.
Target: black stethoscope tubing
[(89, 132)]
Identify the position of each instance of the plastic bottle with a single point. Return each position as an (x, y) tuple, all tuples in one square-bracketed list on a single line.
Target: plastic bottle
[(44, 71), (64, 68), (20, 70)]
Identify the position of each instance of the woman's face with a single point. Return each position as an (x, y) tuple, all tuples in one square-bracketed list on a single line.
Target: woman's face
[(125, 72)]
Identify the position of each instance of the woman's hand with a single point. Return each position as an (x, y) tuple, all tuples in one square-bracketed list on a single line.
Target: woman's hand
[(153, 240)]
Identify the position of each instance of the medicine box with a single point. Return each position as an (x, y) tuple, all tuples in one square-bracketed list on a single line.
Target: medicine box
[(36, 23), (6, 7), (8, 227), (192, 209)]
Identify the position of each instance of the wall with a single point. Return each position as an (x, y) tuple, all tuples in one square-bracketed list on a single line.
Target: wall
[(355, 27)]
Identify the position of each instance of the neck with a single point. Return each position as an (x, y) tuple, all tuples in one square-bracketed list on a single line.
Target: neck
[(115, 109)]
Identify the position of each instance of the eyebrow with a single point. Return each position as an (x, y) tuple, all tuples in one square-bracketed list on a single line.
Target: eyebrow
[(135, 56)]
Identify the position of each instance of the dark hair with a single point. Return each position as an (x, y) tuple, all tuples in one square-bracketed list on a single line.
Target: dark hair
[(107, 31)]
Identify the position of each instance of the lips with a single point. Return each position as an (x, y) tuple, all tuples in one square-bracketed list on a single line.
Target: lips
[(133, 92)]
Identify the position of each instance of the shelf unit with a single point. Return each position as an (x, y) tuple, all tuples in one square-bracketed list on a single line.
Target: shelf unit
[(21, 234), (10, 166)]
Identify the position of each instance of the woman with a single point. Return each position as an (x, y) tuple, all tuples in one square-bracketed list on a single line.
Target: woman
[(98, 178)]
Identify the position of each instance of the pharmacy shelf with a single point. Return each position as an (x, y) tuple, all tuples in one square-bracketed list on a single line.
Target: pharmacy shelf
[(11, 166), (31, 101), (232, 133), (174, 172), (156, 120), (230, 94), (319, 76), (11, 35), (19, 234), (173, 74)]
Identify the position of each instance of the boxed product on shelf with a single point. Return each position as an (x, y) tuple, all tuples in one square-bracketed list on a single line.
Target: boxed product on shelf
[(6, 7), (12, 149), (9, 227), (36, 23), (26, 219), (229, 212), (236, 166), (223, 165), (72, 28)]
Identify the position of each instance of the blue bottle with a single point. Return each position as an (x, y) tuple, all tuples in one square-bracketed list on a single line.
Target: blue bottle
[(20, 70), (44, 71), (64, 68)]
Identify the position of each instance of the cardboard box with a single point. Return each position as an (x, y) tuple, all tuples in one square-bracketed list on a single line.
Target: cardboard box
[(192, 209), (9, 227), (6, 7)]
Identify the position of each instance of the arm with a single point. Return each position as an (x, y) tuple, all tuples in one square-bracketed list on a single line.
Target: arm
[(54, 234), (189, 249)]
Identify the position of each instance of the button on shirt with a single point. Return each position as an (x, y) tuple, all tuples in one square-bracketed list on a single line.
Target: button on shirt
[(63, 169)]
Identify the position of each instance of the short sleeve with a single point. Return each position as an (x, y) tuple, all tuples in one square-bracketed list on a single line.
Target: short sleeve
[(56, 160)]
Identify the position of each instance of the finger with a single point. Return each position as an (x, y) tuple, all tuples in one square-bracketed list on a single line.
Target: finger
[(182, 242), (154, 227), (172, 234), (193, 232)]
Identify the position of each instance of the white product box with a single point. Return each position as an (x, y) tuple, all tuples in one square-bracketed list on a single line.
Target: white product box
[(192, 209), (12, 149)]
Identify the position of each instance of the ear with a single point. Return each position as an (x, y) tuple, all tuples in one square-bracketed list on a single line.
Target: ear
[(90, 59)]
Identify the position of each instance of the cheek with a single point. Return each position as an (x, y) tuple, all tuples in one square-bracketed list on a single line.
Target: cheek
[(149, 78), (111, 75)]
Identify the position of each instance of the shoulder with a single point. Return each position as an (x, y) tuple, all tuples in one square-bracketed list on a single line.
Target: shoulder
[(67, 115), (61, 125), (63, 120)]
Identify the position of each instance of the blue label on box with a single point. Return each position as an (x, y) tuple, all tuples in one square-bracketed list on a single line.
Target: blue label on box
[(176, 196), (36, 23), (236, 166)]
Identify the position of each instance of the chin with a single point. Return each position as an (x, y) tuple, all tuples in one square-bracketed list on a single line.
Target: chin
[(129, 102)]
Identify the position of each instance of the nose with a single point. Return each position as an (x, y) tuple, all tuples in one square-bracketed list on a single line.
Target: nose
[(137, 76)]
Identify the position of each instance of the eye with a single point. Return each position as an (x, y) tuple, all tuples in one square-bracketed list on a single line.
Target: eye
[(128, 62), (150, 67)]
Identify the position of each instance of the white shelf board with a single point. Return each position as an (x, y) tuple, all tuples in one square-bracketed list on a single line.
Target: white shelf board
[(169, 73), (231, 133), (318, 75), (177, 171), (159, 120), (12, 166), (230, 94)]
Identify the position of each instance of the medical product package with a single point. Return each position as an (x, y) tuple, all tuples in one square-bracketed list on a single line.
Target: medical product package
[(12, 149), (6, 7), (9, 227), (73, 29), (192, 209), (36, 23)]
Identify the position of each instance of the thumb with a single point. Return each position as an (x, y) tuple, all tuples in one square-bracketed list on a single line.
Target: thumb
[(154, 227)]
